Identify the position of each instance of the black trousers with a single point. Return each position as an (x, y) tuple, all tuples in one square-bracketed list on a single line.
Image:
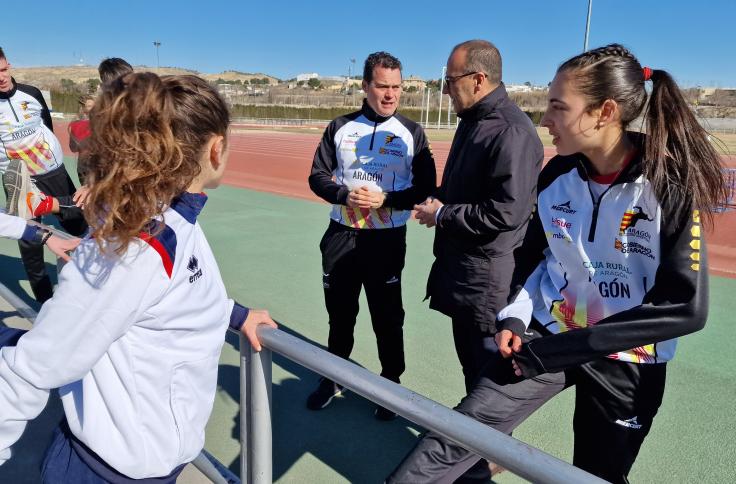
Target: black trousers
[(372, 259), (58, 184), (615, 406), (474, 349)]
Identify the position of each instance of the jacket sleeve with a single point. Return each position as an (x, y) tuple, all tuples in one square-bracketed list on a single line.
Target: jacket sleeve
[(529, 259), (15, 227), (677, 304), (323, 169), (96, 302), (424, 177), (45, 113), (513, 167), (238, 315)]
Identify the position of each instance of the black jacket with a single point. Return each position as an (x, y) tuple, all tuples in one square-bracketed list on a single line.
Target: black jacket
[(489, 190)]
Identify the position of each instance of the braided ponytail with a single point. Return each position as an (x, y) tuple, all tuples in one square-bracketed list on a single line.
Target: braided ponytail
[(679, 159)]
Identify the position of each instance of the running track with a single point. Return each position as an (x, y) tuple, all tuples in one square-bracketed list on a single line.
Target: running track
[(279, 162)]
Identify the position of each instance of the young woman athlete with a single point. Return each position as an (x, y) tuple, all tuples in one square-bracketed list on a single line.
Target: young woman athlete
[(611, 272), (133, 334)]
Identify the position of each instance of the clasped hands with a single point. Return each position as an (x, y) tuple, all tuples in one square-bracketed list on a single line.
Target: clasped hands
[(363, 198)]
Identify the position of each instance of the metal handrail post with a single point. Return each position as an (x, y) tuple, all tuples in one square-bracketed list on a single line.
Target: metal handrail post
[(255, 414)]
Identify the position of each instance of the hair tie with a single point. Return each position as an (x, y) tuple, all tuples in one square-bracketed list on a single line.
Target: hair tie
[(647, 73)]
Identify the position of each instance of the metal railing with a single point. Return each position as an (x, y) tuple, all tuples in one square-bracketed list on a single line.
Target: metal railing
[(255, 410), (255, 407)]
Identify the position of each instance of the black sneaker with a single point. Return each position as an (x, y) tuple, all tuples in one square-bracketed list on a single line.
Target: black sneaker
[(323, 395), (384, 414)]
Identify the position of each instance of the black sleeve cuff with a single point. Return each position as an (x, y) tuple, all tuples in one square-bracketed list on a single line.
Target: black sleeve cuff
[(342, 195), (515, 325), (237, 317), (528, 362)]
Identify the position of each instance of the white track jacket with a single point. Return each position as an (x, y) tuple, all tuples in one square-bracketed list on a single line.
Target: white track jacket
[(132, 343)]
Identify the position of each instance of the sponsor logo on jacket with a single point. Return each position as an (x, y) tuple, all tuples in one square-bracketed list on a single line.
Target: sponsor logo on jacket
[(561, 222), (557, 235), (601, 268), (632, 248), (391, 152), (194, 268), (564, 208), (631, 217), (390, 141)]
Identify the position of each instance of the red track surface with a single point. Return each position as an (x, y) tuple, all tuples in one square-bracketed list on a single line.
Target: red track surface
[(279, 162)]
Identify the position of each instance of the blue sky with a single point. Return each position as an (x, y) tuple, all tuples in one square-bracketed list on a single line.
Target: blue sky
[(692, 40)]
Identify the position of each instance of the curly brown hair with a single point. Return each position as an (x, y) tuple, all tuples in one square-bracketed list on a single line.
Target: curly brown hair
[(148, 138)]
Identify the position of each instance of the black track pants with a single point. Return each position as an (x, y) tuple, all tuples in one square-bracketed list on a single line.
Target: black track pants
[(615, 406), (372, 259), (58, 184)]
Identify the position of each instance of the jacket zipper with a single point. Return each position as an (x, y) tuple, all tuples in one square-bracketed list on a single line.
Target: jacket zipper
[(596, 205), (375, 124), (12, 109)]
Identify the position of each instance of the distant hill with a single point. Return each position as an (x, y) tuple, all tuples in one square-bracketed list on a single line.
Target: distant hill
[(50, 77)]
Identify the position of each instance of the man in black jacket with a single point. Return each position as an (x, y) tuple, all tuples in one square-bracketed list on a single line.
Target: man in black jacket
[(481, 210)]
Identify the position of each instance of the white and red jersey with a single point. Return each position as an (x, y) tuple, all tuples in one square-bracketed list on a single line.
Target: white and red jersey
[(26, 131)]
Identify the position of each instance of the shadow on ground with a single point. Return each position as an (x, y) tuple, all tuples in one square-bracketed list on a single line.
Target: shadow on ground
[(344, 436)]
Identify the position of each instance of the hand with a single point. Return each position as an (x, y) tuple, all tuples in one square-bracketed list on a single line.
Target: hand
[(255, 318), (364, 198), (426, 212), (508, 343), (80, 196), (60, 246), (517, 370)]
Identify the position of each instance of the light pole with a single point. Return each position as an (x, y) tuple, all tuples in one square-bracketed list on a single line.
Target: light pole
[(421, 115), (352, 61), (157, 44), (587, 25), (429, 92), (449, 109), (442, 88)]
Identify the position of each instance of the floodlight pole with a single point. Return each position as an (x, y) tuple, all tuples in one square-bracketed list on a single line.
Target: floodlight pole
[(421, 115), (587, 25), (157, 44), (352, 61), (449, 110), (442, 88), (429, 92)]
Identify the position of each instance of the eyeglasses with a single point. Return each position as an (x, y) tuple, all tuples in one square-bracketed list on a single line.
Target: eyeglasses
[(451, 79)]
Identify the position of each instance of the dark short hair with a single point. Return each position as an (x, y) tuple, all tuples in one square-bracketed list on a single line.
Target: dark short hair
[(2, 54), (379, 59), (112, 68), (482, 56)]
